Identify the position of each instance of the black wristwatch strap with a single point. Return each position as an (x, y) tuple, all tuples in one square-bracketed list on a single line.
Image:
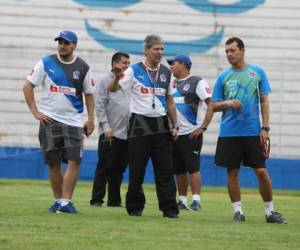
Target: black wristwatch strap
[(267, 128), (177, 128), (203, 127)]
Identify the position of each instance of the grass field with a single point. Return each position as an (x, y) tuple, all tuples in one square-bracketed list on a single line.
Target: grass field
[(26, 224)]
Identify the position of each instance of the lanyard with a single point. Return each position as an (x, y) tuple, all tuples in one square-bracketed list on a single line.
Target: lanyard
[(156, 76), (153, 82)]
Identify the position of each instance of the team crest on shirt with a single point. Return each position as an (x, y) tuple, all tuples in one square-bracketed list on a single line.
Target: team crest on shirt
[(163, 78), (76, 75), (186, 87), (252, 74)]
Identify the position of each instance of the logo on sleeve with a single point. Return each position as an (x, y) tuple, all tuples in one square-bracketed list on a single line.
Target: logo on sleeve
[(31, 72), (93, 82), (174, 84), (208, 90)]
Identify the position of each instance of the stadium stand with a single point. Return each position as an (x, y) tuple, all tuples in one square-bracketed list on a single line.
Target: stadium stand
[(270, 31)]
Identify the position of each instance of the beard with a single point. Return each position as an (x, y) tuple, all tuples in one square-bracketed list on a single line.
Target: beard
[(65, 54)]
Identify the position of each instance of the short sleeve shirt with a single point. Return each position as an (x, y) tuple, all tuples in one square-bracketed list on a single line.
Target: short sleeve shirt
[(63, 85), (147, 89), (247, 86), (189, 95)]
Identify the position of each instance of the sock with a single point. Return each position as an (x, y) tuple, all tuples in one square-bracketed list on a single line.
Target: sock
[(196, 197), (64, 202), (183, 199), (57, 200), (269, 208), (237, 207)]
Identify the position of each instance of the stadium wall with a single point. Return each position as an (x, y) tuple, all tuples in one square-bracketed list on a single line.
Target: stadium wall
[(27, 163), (270, 29)]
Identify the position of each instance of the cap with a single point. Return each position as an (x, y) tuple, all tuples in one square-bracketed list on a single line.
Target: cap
[(182, 59), (68, 36)]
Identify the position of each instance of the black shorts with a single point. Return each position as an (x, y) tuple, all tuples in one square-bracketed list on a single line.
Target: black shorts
[(186, 154), (60, 141), (232, 151)]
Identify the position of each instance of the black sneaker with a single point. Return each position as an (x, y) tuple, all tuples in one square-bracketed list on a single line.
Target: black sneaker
[(182, 206), (276, 217), (115, 205), (97, 204), (238, 217), (195, 205), (171, 215), (135, 213)]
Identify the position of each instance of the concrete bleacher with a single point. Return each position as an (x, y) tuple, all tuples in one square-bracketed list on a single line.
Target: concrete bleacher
[(270, 31)]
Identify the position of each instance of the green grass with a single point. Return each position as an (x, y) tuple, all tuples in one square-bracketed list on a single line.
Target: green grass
[(26, 224)]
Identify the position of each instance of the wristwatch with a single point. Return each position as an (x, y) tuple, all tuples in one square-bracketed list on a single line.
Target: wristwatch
[(203, 127), (177, 128), (267, 128)]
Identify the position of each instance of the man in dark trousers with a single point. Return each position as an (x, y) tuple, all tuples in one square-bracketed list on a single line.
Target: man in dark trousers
[(112, 109), (149, 134), (240, 93)]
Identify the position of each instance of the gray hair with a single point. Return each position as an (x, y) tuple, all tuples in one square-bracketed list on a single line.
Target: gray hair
[(152, 40)]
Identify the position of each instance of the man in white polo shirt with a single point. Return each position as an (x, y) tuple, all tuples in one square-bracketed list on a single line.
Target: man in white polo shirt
[(149, 134)]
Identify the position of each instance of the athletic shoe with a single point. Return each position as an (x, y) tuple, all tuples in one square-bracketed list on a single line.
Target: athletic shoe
[(182, 206), (276, 217), (54, 207), (69, 208), (115, 205), (238, 217), (97, 204), (135, 213), (195, 205), (171, 215)]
